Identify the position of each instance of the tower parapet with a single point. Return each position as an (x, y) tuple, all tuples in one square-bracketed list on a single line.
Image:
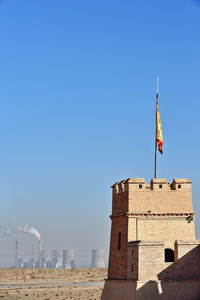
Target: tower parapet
[(135, 195)]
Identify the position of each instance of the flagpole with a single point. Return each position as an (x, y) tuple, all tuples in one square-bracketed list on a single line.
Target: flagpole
[(155, 158)]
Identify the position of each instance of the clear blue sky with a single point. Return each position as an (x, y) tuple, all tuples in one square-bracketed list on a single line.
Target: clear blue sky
[(77, 95)]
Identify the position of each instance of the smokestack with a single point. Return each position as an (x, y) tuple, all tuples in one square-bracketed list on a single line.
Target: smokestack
[(68, 259), (97, 259), (13, 236), (16, 253), (33, 231), (39, 254)]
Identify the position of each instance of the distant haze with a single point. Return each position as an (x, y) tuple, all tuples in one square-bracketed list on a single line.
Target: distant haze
[(77, 112)]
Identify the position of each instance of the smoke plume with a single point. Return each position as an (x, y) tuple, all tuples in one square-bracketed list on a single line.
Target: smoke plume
[(30, 230), (10, 234)]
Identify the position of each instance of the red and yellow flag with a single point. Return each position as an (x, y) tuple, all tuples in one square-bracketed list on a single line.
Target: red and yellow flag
[(159, 135)]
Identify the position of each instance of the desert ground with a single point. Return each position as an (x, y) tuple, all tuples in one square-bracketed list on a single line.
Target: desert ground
[(46, 284)]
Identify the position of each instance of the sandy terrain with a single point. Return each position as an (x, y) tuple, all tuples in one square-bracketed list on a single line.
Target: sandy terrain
[(19, 284), (82, 293)]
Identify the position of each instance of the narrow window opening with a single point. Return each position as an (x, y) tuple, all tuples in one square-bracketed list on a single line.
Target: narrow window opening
[(132, 268), (140, 186), (179, 186), (132, 252), (160, 186), (169, 255), (119, 241)]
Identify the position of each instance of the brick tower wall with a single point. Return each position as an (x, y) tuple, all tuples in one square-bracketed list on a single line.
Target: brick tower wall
[(158, 211)]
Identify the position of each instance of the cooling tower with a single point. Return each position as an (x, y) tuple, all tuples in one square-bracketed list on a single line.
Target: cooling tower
[(68, 259), (97, 259)]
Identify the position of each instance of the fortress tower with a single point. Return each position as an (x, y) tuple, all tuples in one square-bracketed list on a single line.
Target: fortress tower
[(153, 251)]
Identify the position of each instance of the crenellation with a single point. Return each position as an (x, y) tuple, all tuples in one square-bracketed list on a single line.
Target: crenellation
[(135, 181), (159, 197), (135, 184), (181, 184), (121, 186), (158, 184), (115, 188)]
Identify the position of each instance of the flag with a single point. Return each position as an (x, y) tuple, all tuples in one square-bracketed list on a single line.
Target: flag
[(159, 135)]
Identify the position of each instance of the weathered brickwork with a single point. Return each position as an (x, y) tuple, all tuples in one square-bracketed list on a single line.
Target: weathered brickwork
[(151, 259), (118, 270), (135, 196), (168, 229), (158, 211), (165, 229), (153, 251)]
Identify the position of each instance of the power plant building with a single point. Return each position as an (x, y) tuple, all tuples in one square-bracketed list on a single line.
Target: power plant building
[(56, 259), (68, 261)]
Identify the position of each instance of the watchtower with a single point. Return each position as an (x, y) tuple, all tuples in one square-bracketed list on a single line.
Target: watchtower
[(152, 230)]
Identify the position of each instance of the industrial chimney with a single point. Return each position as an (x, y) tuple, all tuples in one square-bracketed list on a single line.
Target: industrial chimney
[(13, 236), (97, 259), (39, 254), (16, 253), (68, 259)]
